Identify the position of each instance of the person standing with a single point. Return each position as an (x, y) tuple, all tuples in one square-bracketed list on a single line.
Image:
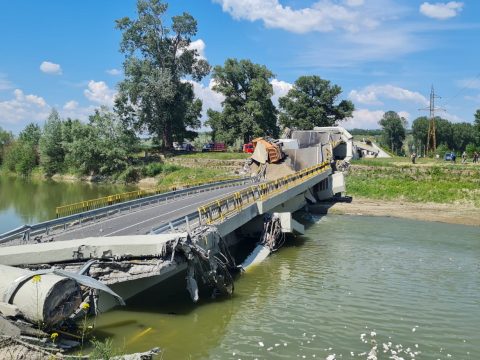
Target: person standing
[(464, 157), (413, 157)]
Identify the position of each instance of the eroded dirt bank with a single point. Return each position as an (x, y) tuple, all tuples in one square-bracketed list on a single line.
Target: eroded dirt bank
[(462, 214)]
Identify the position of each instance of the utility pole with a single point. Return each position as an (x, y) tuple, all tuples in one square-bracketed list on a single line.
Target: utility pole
[(431, 136)]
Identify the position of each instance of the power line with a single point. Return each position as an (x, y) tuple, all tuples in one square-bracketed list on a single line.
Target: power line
[(431, 136), (467, 86)]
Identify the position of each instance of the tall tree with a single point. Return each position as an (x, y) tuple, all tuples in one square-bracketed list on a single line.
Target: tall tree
[(31, 134), (6, 138), (476, 123), (155, 95), (313, 102), (462, 135), (100, 147), (248, 110), (394, 133), (52, 154)]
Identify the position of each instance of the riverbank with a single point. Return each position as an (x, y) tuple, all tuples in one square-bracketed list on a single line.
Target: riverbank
[(430, 190), (444, 213), (171, 171)]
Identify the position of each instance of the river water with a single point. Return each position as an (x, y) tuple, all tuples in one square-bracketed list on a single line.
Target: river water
[(26, 201), (349, 281), (409, 286)]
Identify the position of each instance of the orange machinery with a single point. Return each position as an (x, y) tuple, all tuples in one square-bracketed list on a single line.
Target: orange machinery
[(274, 151)]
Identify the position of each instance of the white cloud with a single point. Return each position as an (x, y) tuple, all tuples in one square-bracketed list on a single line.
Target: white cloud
[(452, 117), (371, 95), (363, 119), (72, 109), (51, 68), (404, 114), (99, 92), (210, 99), (23, 108), (70, 105), (280, 88), (441, 10), (323, 15), (198, 45), (5, 84), (213, 100), (114, 72), (355, 2)]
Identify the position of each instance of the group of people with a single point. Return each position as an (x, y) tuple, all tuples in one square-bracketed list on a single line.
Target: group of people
[(476, 157)]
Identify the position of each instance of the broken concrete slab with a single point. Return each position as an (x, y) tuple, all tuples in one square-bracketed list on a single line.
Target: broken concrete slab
[(289, 224), (88, 248), (47, 299), (8, 329)]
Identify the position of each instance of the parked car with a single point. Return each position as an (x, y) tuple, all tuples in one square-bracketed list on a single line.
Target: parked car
[(187, 147), (220, 147), (450, 156)]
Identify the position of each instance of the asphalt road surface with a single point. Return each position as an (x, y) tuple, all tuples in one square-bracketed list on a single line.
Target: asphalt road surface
[(142, 221)]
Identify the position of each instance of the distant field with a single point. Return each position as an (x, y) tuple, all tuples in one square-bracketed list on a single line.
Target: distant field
[(428, 181), (401, 161)]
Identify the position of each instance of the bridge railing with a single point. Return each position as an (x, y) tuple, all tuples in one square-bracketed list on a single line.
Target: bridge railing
[(82, 206), (222, 208), (68, 222)]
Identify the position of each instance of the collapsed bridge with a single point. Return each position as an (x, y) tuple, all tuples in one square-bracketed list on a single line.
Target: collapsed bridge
[(110, 254)]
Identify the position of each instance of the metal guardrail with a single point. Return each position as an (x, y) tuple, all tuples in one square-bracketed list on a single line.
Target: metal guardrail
[(86, 205), (67, 222), (189, 221), (219, 209)]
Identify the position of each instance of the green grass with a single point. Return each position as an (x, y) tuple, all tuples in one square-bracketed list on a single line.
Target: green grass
[(185, 175), (436, 183), (216, 155), (405, 161)]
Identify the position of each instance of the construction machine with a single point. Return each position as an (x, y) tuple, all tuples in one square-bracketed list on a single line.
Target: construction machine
[(273, 150)]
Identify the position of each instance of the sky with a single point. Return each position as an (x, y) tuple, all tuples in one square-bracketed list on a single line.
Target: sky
[(384, 54)]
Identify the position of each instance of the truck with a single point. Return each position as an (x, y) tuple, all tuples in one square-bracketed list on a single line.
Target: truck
[(248, 148), (214, 146)]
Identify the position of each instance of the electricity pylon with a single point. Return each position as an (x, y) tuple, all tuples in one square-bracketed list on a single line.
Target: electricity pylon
[(431, 136)]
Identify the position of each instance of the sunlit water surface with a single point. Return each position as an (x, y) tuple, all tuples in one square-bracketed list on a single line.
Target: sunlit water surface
[(26, 201), (412, 288)]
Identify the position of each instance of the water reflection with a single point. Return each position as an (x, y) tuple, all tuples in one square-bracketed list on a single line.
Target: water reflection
[(26, 201)]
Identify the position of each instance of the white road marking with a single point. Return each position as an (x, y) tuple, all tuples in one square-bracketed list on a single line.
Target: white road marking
[(85, 227), (141, 222)]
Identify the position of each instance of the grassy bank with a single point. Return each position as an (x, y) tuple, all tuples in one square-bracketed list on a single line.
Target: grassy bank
[(428, 181), (215, 155), (162, 175)]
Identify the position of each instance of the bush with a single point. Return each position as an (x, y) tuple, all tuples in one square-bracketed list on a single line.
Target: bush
[(152, 169), (130, 175), (170, 168), (21, 158)]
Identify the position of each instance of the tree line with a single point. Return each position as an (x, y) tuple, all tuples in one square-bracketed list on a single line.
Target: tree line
[(102, 146), (156, 97), (449, 136)]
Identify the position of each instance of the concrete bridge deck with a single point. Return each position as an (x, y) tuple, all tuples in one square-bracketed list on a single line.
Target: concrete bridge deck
[(142, 220)]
